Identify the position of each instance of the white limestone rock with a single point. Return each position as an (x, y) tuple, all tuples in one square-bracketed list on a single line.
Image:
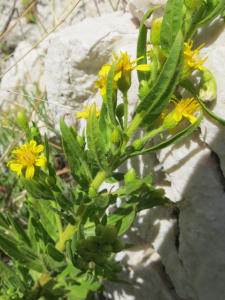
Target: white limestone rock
[(139, 8), (76, 55)]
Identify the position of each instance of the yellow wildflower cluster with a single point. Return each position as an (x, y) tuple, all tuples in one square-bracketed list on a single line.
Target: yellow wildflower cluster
[(85, 114), (26, 157)]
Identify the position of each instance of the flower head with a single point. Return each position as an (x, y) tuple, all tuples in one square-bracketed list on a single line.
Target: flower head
[(85, 114), (185, 108), (123, 70), (192, 60), (26, 157)]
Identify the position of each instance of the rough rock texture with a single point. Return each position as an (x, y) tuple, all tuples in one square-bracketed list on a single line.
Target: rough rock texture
[(73, 60), (32, 33), (139, 8)]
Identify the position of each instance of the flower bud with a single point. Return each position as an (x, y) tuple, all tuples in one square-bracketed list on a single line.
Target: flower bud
[(137, 145), (91, 244), (109, 234), (33, 131), (50, 181), (22, 120), (81, 264), (130, 176), (117, 267), (124, 82), (192, 4), (115, 136), (80, 246), (118, 246), (73, 131), (170, 122), (143, 88), (80, 141), (100, 258), (207, 90), (106, 248), (92, 192), (120, 111), (155, 31), (99, 229)]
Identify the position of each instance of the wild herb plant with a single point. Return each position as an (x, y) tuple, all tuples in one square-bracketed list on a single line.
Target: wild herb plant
[(69, 241)]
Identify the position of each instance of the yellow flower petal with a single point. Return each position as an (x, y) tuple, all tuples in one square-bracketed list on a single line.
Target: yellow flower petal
[(103, 91), (41, 161), (105, 69), (191, 118), (136, 59), (30, 172), (39, 149), (11, 162), (118, 76), (142, 68), (15, 167), (32, 144), (177, 116)]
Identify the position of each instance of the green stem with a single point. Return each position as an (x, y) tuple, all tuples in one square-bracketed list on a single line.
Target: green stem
[(70, 230), (58, 221), (99, 178), (154, 66), (133, 126), (125, 110), (188, 20), (152, 134)]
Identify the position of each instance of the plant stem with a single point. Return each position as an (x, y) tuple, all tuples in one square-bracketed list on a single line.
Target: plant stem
[(70, 229), (125, 110), (133, 126), (152, 134), (99, 178), (58, 221)]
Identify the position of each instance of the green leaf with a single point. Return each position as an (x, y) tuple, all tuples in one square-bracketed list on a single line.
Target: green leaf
[(22, 236), (41, 232), (104, 220), (3, 222), (133, 186), (52, 265), (128, 246), (171, 24), (27, 252), (36, 189), (46, 147), (103, 125), (187, 84), (218, 9), (5, 270), (63, 202), (95, 140), (109, 92), (179, 136), (141, 45), (116, 177), (74, 147), (55, 253), (48, 219), (158, 97)]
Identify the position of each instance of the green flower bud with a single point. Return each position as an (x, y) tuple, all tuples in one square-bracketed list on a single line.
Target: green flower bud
[(22, 120), (92, 192), (87, 256), (120, 111), (143, 88), (207, 90), (73, 131), (99, 229), (50, 181), (137, 145), (106, 248), (155, 31), (118, 246), (100, 258), (10, 291), (33, 131), (81, 264), (80, 141), (170, 122), (109, 234), (14, 297), (130, 176), (80, 246), (192, 4), (124, 83), (117, 267), (115, 136), (91, 244)]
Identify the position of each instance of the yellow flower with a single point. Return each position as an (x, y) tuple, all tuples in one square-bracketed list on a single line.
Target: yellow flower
[(192, 60), (85, 114), (101, 83), (185, 108), (124, 64), (26, 157)]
